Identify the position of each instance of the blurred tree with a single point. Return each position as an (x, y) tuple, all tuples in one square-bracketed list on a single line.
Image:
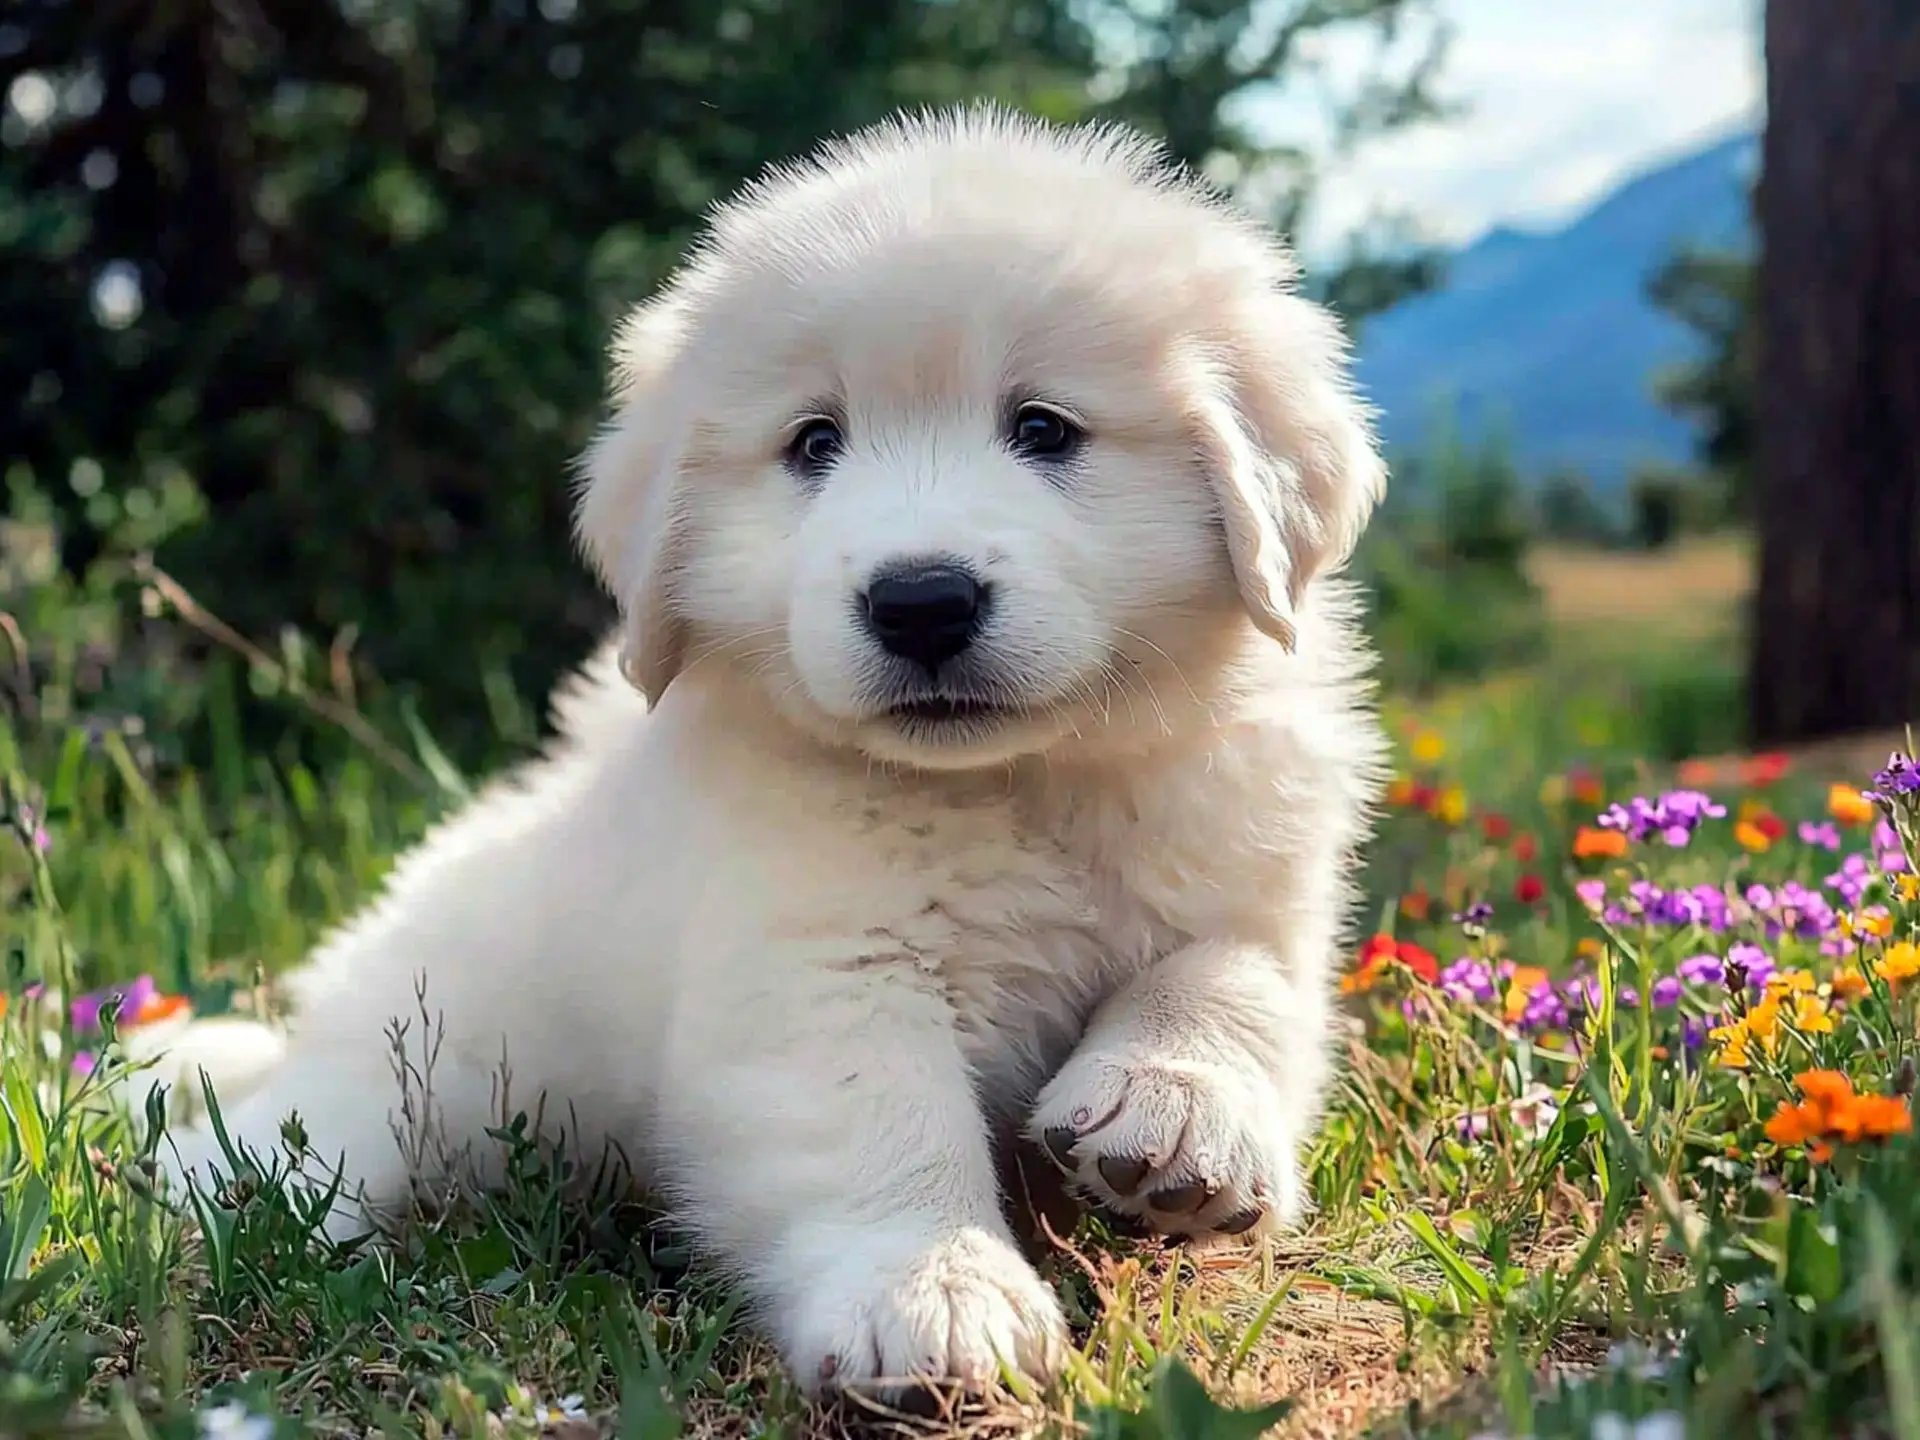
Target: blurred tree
[(1836, 622), (343, 271), (1565, 509), (1711, 292)]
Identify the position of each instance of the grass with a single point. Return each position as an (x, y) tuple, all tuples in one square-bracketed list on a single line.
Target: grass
[(1511, 1200)]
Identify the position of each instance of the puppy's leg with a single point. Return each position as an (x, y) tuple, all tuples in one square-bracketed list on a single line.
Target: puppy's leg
[(1186, 1102), (829, 1149)]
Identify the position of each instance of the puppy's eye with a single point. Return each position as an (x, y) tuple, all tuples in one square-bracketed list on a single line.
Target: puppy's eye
[(1041, 433), (817, 445)]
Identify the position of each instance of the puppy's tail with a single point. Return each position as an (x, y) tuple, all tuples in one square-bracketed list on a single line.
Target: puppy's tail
[(235, 1053)]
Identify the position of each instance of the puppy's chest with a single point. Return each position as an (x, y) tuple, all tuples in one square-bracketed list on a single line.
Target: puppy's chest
[(1027, 919)]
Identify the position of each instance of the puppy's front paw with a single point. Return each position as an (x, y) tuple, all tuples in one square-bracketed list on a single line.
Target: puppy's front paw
[(1190, 1146), (892, 1314)]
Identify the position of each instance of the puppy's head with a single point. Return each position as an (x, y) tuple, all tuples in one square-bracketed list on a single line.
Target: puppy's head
[(970, 436)]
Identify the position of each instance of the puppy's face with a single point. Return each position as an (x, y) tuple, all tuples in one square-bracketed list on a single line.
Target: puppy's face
[(974, 439)]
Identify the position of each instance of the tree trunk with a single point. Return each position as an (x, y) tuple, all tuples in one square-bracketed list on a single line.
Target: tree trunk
[(1836, 620)]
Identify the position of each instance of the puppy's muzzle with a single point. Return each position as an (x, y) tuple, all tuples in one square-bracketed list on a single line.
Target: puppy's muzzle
[(926, 612)]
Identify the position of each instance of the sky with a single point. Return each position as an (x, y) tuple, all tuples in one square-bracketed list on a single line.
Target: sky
[(1566, 99)]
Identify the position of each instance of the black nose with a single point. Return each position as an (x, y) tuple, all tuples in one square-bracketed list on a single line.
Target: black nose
[(925, 613)]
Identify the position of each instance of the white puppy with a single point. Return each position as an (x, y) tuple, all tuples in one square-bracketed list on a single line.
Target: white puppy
[(971, 497)]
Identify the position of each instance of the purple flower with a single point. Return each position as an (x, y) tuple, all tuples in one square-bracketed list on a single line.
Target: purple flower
[(1752, 963), (1886, 843), (1592, 893), (1825, 836), (1667, 991), (1475, 917), (1900, 777), (1673, 817), (1468, 979), (86, 1008), (1851, 880), (1704, 969), (84, 1064), (1693, 1031)]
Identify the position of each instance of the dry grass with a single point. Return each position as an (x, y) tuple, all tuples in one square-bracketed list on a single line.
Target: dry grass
[(1692, 590)]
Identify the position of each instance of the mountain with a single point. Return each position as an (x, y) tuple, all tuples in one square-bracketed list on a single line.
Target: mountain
[(1548, 335)]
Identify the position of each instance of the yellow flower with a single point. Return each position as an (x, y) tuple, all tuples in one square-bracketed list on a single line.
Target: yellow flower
[(1763, 1021), (1751, 836), (1589, 948), (1849, 985), (1553, 791), (1428, 748), (1451, 807), (1732, 1040), (1907, 885), (1901, 962), (1876, 923), (1849, 806), (1783, 983), (1810, 1016)]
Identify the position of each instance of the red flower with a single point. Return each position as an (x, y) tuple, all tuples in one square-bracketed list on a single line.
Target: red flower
[(1530, 889), (1770, 825), (1424, 797), (1495, 827), (1765, 769), (1420, 962), (1525, 847)]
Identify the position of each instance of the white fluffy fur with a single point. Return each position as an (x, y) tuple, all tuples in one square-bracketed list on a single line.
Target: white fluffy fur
[(805, 964)]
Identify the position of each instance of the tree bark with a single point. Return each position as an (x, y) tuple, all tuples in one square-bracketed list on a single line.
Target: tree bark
[(1836, 620)]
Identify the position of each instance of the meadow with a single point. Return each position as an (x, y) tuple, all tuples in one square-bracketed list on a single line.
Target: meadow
[(1623, 1146)]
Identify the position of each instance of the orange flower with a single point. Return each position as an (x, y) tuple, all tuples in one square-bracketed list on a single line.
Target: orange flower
[(158, 1007), (1590, 842), (1831, 1111), (1520, 987), (1495, 826), (1751, 836), (1585, 787), (1698, 774), (1529, 889), (1588, 948), (1450, 806), (1400, 792), (1416, 905), (1901, 962), (1760, 771), (1420, 962), (1525, 847), (1849, 806), (1850, 985)]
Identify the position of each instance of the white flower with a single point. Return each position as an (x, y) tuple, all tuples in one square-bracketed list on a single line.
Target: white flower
[(1535, 1110), (233, 1421), (1661, 1425), (570, 1407)]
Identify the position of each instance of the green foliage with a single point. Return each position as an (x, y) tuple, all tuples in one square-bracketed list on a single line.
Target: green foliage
[(1446, 565), (1566, 510), (368, 255)]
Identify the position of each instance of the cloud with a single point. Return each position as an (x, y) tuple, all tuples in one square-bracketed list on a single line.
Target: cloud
[(1565, 100)]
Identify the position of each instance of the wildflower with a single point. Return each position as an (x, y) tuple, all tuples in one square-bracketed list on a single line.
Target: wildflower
[(1529, 889), (1849, 806), (1495, 827), (1751, 836), (1667, 991), (1591, 843), (1901, 962), (233, 1421), (1674, 816), (1907, 887), (1592, 893), (1400, 792), (1849, 985), (1702, 970), (1767, 768), (1416, 904), (1824, 836), (1900, 777), (1588, 948), (1428, 748), (1420, 961), (1585, 787), (1534, 1110), (1553, 791), (1475, 917), (1450, 808), (1750, 963), (1810, 1016), (1698, 773), (569, 1407), (1468, 979), (1891, 854), (1660, 1425), (1524, 981), (1526, 848), (1831, 1111)]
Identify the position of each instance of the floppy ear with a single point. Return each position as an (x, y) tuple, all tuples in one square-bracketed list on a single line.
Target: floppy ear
[(1290, 454), (627, 509)]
